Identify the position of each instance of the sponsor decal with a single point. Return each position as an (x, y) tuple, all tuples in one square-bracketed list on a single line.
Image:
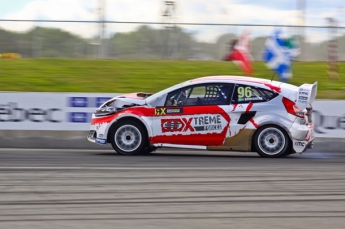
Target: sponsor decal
[(100, 135), (209, 127), (302, 101), (300, 144), (303, 97), (207, 119), (177, 110), (240, 99), (165, 110), (172, 125), (160, 111), (304, 89), (304, 93), (177, 125), (201, 123), (207, 122), (101, 141), (253, 98), (11, 113)]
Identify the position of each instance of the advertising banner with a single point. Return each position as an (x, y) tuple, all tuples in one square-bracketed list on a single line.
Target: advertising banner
[(48, 111), (72, 112), (329, 118)]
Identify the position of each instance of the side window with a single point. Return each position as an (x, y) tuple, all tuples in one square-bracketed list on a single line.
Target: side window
[(247, 94), (201, 95), (178, 97)]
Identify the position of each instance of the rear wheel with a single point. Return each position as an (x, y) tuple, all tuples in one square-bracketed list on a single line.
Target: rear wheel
[(128, 137), (272, 141)]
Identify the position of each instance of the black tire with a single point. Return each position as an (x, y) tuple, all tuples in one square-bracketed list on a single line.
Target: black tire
[(128, 137), (148, 150), (272, 141)]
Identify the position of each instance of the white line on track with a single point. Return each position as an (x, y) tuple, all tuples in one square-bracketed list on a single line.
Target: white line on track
[(111, 168)]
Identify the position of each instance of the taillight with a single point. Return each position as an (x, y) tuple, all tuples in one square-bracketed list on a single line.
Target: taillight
[(292, 108)]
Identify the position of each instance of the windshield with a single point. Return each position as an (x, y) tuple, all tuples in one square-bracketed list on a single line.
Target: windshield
[(165, 91)]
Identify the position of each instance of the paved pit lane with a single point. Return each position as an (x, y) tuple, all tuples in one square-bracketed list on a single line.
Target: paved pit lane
[(170, 189)]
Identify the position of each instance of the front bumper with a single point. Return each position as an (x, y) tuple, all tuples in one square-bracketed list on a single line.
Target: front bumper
[(92, 137)]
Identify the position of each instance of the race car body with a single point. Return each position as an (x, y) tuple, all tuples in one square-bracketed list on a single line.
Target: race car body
[(231, 113)]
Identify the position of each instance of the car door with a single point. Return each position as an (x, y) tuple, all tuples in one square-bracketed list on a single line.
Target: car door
[(247, 103), (194, 115)]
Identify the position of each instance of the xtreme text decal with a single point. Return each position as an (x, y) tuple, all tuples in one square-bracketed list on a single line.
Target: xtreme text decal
[(200, 123)]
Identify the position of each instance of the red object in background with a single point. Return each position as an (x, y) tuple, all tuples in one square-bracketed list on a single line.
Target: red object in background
[(240, 55)]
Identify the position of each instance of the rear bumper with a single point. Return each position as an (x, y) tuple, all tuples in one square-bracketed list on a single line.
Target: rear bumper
[(302, 137)]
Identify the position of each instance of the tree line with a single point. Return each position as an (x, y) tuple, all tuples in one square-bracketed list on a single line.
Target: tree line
[(143, 43)]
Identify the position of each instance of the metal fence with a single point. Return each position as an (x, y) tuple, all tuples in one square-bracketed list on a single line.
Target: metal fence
[(146, 40)]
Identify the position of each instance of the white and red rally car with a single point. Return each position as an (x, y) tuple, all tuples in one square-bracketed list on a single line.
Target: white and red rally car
[(231, 113)]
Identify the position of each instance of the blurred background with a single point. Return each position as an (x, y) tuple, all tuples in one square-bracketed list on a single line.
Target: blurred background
[(159, 29), (69, 56)]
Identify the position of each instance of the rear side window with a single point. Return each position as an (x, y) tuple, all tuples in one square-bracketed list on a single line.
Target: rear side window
[(246, 94), (201, 95)]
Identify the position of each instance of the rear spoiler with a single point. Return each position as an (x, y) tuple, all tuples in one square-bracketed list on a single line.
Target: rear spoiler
[(306, 95)]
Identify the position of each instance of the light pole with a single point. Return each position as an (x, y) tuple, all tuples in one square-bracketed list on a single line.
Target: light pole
[(169, 17), (101, 11), (301, 6), (332, 49)]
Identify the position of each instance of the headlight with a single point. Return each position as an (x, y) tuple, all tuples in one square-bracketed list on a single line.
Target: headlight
[(103, 111)]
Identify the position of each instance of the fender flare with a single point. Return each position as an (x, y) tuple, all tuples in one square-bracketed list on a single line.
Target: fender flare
[(282, 122), (142, 119)]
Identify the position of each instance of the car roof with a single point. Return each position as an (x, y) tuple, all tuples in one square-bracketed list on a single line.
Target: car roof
[(234, 78), (279, 87), (273, 85)]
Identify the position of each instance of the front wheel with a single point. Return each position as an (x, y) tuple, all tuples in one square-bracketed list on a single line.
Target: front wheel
[(272, 141), (128, 137)]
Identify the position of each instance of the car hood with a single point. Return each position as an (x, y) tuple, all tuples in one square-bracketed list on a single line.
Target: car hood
[(137, 98)]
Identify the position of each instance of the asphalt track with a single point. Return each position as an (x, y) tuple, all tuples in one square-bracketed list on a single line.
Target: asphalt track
[(170, 189)]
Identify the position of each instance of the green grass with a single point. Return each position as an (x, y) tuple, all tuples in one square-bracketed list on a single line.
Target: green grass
[(120, 76)]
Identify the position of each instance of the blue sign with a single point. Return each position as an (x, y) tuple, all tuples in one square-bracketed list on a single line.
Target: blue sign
[(87, 101), (80, 117), (78, 102)]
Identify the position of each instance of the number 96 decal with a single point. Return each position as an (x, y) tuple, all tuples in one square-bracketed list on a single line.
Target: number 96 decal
[(244, 92)]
